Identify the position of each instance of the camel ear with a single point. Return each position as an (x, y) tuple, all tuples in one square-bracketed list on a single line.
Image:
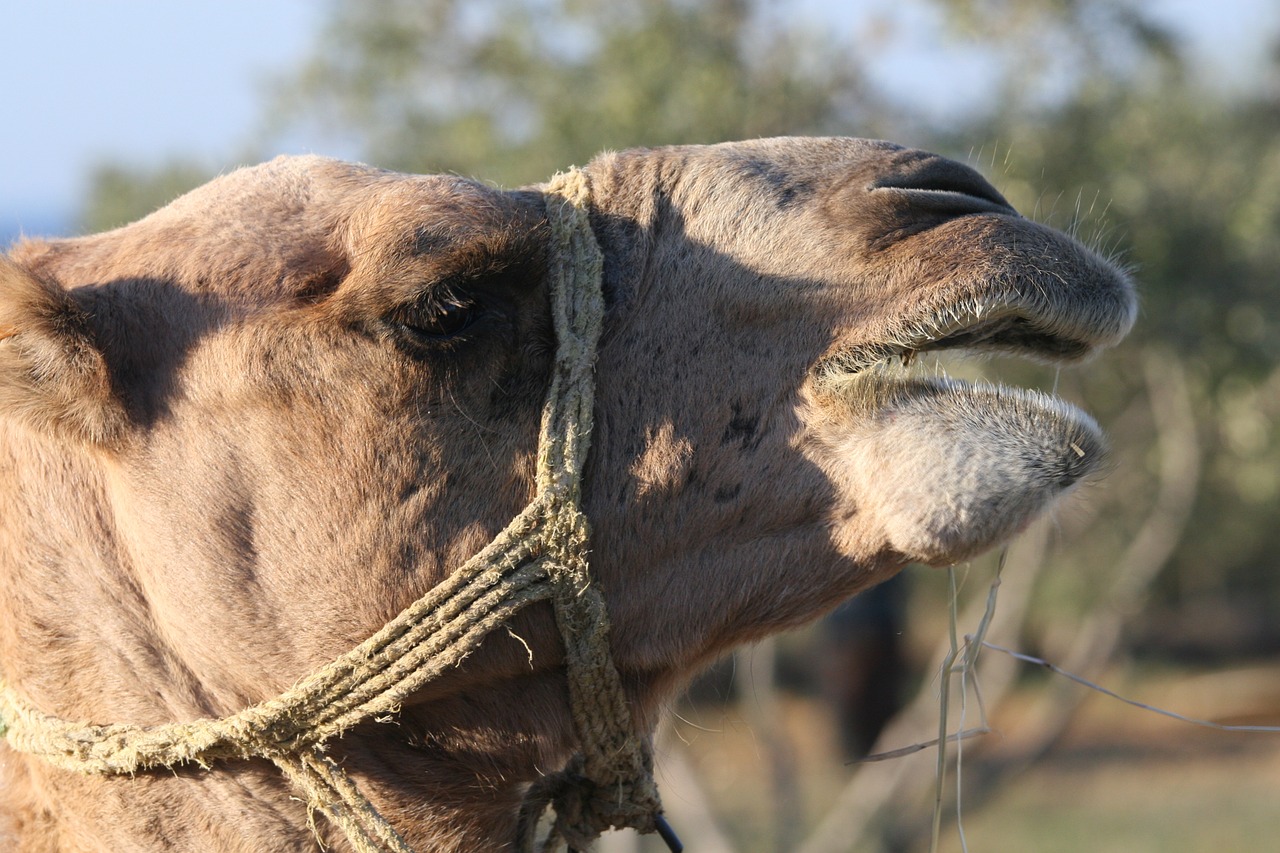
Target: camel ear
[(53, 375)]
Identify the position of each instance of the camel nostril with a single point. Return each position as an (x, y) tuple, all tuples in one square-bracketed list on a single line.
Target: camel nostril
[(945, 186)]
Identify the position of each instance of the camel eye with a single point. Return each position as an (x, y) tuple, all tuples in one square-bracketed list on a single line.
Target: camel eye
[(438, 320)]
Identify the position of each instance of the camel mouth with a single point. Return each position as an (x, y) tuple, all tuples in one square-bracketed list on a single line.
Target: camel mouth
[(882, 381), (952, 468)]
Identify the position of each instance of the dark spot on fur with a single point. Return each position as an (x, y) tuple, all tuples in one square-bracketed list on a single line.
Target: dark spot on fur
[(414, 484), (742, 429), (409, 490), (408, 557), (318, 284), (431, 239), (240, 526), (793, 195), (787, 192), (725, 494)]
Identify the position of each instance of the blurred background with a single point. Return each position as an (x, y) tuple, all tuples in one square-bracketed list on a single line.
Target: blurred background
[(1150, 129)]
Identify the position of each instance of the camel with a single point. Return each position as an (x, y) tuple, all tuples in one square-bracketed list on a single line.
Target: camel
[(244, 432)]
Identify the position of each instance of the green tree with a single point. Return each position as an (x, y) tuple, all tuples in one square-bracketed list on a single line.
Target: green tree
[(512, 90)]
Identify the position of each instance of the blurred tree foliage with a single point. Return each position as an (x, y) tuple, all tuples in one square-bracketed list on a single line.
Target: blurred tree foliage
[(1190, 183), (513, 90), (1096, 125)]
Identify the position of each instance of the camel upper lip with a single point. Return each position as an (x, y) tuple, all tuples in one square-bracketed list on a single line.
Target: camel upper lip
[(1006, 328), (1040, 328), (1007, 334)]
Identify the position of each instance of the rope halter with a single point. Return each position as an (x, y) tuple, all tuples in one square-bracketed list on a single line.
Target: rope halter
[(541, 555)]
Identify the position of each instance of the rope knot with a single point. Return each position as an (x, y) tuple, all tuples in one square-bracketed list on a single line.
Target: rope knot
[(584, 807)]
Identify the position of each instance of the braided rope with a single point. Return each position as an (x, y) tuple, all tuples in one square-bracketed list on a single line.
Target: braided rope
[(540, 555)]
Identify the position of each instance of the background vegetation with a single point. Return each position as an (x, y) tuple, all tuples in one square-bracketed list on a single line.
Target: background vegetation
[(1100, 125)]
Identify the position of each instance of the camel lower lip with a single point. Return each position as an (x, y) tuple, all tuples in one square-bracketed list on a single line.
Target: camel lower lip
[(893, 383), (957, 467), (1020, 411)]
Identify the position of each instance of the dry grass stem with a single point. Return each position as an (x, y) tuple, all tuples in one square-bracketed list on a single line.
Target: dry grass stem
[(1057, 670), (944, 701), (903, 752)]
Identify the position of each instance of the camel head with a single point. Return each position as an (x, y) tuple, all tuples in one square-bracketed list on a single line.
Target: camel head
[(241, 434)]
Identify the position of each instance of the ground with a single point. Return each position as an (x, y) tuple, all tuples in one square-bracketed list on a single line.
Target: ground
[(1122, 780)]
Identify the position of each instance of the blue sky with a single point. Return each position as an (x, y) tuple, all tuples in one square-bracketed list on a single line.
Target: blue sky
[(140, 81), (135, 81)]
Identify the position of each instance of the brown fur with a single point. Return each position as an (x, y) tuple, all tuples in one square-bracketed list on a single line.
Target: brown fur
[(227, 460)]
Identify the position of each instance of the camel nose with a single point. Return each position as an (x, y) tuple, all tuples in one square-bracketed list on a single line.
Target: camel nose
[(940, 186)]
